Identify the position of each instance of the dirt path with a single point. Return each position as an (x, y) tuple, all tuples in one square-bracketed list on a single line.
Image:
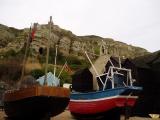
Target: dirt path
[(67, 116)]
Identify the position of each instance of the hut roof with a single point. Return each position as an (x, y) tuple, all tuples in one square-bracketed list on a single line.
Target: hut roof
[(147, 60), (139, 63)]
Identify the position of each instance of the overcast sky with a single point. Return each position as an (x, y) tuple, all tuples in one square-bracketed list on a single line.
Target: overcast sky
[(135, 22)]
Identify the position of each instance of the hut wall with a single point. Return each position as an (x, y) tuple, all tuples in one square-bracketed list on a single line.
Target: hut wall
[(82, 81)]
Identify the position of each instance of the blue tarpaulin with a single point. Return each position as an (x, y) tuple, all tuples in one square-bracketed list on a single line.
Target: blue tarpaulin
[(51, 80)]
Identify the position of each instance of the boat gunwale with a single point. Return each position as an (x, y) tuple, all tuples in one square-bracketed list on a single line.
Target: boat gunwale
[(31, 91), (107, 90)]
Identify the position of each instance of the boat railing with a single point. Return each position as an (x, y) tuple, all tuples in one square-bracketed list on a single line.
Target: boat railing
[(119, 77)]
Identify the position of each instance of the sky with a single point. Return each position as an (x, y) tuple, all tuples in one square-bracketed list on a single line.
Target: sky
[(135, 22)]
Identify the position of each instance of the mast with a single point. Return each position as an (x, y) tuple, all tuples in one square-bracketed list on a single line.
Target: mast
[(55, 63), (47, 56), (25, 56)]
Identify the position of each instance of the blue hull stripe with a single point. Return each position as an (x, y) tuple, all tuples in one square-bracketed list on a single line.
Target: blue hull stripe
[(103, 94)]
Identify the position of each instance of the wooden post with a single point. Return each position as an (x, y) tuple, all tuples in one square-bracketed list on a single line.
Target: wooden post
[(127, 108)]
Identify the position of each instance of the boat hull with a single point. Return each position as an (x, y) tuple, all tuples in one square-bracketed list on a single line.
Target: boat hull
[(101, 101), (98, 106), (36, 102), (36, 107)]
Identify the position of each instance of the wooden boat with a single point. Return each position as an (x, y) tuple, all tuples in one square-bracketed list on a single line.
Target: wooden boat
[(36, 101), (117, 91), (101, 101)]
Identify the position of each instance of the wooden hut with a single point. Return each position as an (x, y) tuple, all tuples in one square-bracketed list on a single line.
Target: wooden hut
[(82, 81), (140, 70), (146, 70)]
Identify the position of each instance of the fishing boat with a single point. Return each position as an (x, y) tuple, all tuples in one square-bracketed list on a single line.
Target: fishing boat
[(116, 90), (36, 101)]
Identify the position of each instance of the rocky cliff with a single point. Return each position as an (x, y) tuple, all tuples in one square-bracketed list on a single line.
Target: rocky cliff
[(69, 43)]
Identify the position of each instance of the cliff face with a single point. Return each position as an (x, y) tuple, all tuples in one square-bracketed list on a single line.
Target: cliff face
[(10, 38), (69, 43)]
